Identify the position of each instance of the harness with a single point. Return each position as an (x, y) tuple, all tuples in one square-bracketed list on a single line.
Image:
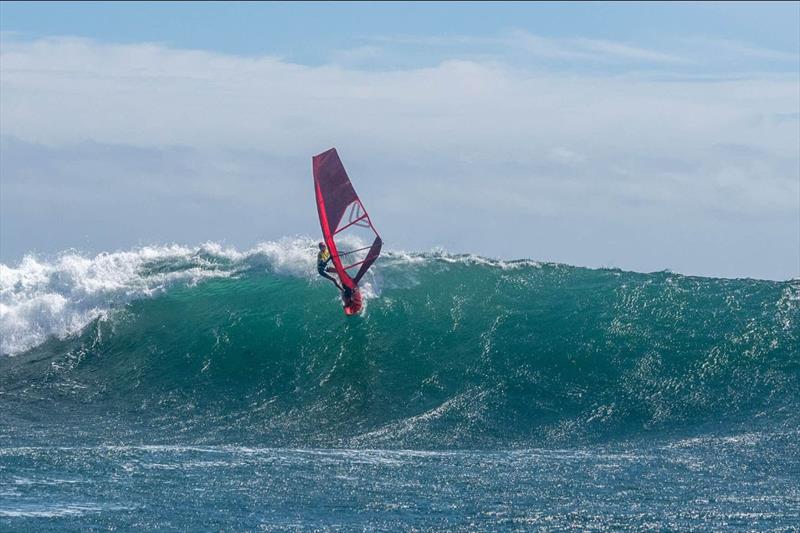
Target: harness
[(322, 259)]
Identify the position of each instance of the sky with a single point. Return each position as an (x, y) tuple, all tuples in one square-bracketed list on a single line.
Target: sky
[(642, 136)]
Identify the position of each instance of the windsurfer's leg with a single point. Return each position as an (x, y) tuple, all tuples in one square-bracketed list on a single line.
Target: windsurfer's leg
[(325, 275), (334, 282)]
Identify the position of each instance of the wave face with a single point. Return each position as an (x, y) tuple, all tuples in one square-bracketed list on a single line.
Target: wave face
[(213, 345)]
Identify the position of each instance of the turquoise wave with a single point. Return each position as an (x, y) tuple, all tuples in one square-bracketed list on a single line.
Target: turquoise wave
[(451, 352)]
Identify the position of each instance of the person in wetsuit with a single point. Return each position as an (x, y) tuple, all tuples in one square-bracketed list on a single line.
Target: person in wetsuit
[(323, 257)]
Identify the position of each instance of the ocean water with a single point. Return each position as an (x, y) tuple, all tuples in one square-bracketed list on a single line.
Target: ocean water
[(205, 388)]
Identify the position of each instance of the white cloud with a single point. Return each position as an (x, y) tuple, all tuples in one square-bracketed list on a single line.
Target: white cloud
[(698, 55), (573, 49), (356, 54), (601, 48), (743, 49), (565, 155), (587, 49), (61, 90), (522, 142)]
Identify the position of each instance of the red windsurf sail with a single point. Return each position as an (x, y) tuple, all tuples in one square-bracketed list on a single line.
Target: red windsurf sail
[(346, 227)]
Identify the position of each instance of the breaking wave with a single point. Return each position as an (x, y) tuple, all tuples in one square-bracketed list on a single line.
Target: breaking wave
[(211, 345)]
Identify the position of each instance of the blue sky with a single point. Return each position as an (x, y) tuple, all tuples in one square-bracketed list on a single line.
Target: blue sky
[(639, 135), (309, 33)]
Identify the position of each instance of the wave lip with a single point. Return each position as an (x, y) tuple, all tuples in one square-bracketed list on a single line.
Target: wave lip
[(39, 299)]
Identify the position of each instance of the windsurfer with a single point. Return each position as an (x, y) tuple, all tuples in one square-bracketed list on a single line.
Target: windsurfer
[(342, 218), (323, 257)]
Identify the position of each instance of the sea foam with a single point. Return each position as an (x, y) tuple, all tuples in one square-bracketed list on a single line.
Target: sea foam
[(59, 297)]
